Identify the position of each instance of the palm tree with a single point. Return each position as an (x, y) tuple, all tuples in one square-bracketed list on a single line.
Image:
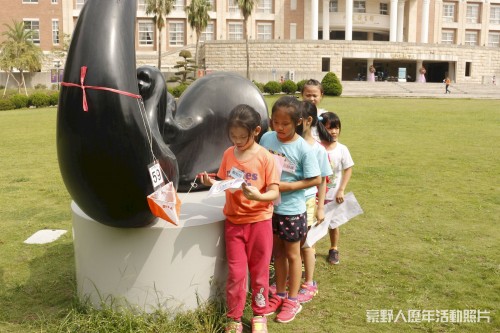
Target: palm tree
[(18, 51), (198, 19), (246, 7), (160, 9)]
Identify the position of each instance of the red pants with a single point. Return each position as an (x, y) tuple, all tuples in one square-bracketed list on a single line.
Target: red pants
[(248, 245)]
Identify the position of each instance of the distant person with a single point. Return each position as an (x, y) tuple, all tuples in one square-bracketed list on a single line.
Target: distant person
[(494, 80), (341, 163), (421, 78), (447, 83), (371, 75), (248, 226)]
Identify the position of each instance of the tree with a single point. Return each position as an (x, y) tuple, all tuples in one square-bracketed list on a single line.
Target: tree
[(185, 67), (160, 9), (19, 52), (198, 19), (246, 8)]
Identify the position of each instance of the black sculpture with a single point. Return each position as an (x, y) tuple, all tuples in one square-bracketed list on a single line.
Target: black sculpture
[(104, 152), (197, 135)]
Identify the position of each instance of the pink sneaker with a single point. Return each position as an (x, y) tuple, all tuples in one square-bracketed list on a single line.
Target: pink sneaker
[(289, 309), (259, 324), (234, 327), (274, 304), (307, 292)]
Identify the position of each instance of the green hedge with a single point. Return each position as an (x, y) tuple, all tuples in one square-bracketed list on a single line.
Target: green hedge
[(272, 87), (331, 85), (289, 87), (37, 99)]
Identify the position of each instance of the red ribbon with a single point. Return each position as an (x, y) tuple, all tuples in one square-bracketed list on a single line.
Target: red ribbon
[(83, 73)]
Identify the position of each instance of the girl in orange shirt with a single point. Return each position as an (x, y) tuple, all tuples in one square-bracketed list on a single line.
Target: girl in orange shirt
[(248, 227)]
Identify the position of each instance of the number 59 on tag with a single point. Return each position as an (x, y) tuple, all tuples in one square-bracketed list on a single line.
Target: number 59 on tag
[(156, 175)]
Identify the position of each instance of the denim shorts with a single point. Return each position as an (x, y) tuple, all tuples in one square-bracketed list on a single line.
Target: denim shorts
[(290, 228)]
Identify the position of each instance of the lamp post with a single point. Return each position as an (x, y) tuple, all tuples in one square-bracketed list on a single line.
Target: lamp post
[(57, 64)]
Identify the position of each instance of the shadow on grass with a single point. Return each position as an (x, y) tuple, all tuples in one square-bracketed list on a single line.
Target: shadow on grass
[(48, 292)]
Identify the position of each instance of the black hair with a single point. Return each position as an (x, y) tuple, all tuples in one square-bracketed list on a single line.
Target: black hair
[(310, 110), (293, 108), (331, 120), (312, 82), (244, 116)]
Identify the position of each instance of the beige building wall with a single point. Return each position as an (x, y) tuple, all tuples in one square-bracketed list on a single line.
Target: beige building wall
[(305, 57), (291, 20)]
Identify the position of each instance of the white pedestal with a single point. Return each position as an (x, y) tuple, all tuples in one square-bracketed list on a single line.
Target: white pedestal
[(161, 266)]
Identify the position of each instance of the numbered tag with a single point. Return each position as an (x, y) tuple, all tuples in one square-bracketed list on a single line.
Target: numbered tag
[(156, 175), (289, 166), (236, 173)]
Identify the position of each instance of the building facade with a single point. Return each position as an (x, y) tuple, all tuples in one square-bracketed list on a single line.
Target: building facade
[(351, 35)]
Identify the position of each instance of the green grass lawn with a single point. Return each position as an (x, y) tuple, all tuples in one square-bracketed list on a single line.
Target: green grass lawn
[(426, 174)]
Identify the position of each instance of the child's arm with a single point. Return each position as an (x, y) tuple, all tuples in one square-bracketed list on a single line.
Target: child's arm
[(345, 179), (300, 184), (253, 193), (320, 211), (206, 179)]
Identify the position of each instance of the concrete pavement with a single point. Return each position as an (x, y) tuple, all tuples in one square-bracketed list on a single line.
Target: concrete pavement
[(419, 90)]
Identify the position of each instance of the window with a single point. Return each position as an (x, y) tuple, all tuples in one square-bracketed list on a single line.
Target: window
[(30, 1), (265, 6), (293, 4), (235, 31), (333, 6), (472, 15), (495, 15), (80, 3), (146, 33), (178, 5), (467, 68), (470, 38), (448, 37), (54, 2), (55, 32), (325, 64), (232, 6), (448, 12), (359, 7), (293, 31), (384, 9), (141, 5), (494, 39), (176, 33), (34, 25), (209, 33), (264, 31)]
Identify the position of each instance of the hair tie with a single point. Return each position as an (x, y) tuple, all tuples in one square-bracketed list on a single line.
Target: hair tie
[(320, 118)]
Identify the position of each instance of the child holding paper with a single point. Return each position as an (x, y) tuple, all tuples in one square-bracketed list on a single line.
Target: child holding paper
[(248, 227), (315, 196), (342, 163), (300, 171)]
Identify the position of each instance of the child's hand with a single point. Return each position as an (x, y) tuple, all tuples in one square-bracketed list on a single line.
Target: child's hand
[(250, 192), (205, 178), (320, 215), (340, 196)]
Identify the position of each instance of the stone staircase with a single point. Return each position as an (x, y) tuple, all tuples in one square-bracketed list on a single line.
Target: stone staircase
[(419, 90)]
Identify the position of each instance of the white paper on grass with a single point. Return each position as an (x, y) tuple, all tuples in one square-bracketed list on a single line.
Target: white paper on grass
[(335, 215), (45, 236), (221, 186)]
